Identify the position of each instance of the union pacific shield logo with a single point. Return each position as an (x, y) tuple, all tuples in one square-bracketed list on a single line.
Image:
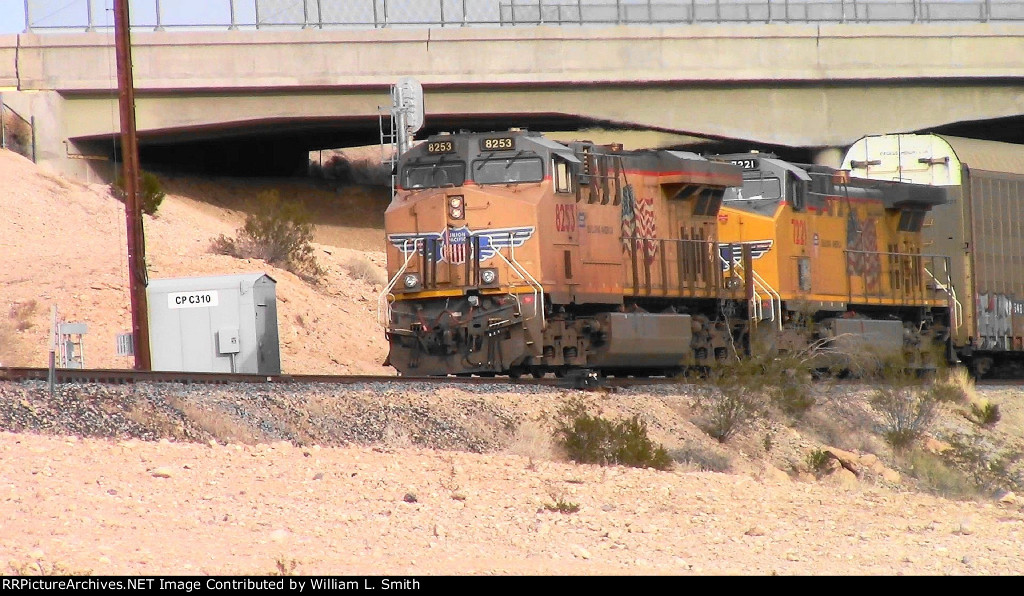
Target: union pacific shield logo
[(453, 245)]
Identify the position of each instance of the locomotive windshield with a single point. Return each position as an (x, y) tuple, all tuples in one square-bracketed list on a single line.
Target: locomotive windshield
[(434, 175), (508, 170), (756, 188)]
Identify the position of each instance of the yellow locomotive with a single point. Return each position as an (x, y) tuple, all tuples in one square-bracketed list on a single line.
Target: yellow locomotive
[(837, 262), (510, 253)]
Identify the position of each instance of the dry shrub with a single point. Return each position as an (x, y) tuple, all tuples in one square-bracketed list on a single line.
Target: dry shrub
[(936, 476), (532, 440), (955, 385), (22, 313), (218, 425), (589, 439), (990, 466), (701, 457), (736, 398), (44, 568), (907, 407), (361, 268), (278, 232), (395, 434), (17, 133), (985, 412)]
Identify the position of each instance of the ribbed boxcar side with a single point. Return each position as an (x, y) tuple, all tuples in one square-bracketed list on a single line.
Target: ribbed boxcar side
[(982, 229)]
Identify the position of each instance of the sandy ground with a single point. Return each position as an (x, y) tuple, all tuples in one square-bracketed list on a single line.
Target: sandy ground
[(133, 507)]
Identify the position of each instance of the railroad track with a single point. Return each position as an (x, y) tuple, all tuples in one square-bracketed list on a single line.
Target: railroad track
[(122, 376)]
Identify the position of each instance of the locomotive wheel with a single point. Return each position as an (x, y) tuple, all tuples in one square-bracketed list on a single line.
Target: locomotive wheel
[(515, 372), (537, 373)]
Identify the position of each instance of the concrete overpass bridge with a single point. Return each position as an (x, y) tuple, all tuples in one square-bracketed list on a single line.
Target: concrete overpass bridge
[(257, 101)]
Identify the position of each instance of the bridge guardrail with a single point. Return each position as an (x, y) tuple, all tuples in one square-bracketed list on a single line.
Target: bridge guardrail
[(93, 15)]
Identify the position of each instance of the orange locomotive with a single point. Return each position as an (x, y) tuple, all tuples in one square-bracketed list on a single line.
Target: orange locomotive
[(837, 262), (510, 253)]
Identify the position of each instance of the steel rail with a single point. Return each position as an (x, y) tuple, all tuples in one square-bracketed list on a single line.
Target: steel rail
[(123, 376)]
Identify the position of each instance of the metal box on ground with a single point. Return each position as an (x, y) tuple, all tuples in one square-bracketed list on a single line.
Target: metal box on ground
[(223, 323)]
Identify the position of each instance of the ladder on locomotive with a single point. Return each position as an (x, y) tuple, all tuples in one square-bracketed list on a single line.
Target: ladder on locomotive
[(763, 291), (388, 141)]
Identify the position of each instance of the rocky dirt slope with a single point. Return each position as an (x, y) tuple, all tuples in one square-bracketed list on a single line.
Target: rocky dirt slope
[(63, 245)]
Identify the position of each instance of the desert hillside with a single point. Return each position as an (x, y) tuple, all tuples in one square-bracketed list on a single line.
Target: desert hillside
[(64, 245)]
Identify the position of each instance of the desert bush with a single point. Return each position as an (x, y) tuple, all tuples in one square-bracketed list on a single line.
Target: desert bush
[(988, 466), (737, 396), (363, 269), (703, 458), (936, 476), (284, 566), (562, 506), (46, 568), (954, 385), (595, 440), (21, 313), (151, 192), (907, 407), (985, 412), (788, 382), (278, 232), (18, 133), (817, 461)]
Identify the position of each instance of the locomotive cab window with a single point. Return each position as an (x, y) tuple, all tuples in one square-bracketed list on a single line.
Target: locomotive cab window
[(434, 175), (563, 175), (756, 188), (508, 170)]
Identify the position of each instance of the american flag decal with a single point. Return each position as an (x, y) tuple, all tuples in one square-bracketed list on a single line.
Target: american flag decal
[(861, 235), (628, 217), (646, 227)]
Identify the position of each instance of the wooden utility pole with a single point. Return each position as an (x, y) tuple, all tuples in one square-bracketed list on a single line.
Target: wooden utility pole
[(130, 172)]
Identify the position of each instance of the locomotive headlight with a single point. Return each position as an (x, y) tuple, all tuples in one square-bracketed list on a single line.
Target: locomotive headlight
[(731, 283), (456, 207), (411, 280), (488, 276)]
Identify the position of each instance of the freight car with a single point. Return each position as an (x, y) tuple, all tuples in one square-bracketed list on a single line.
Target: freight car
[(510, 253), (838, 267), (981, 229)]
